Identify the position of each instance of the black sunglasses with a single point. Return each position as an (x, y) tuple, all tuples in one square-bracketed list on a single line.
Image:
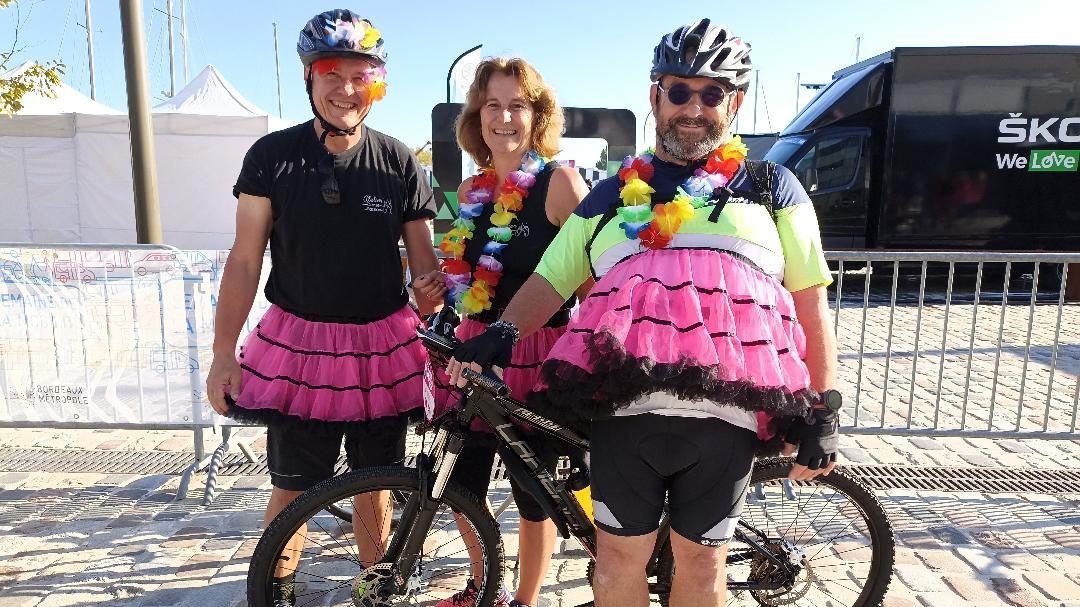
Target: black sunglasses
[(680, 94), (331, 194)]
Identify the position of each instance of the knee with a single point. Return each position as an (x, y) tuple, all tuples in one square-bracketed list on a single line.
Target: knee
[(615, 561), (703, 565)]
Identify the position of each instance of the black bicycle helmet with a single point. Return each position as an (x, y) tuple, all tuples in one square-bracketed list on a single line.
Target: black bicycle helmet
[(339, 33), (702, 50)]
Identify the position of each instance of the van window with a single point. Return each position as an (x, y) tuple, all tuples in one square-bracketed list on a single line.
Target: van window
[(830, 163)]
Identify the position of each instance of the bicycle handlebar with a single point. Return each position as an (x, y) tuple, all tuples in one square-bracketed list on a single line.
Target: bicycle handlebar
[(445, 346)]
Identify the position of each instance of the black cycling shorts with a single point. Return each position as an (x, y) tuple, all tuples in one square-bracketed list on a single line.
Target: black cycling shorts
[(700, 465), (301, 455)]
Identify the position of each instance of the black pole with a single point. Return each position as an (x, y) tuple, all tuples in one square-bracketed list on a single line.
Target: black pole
[(450, 71), (143, 166)]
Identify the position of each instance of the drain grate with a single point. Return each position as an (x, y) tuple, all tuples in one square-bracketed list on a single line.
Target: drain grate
[(94, 461), (880, 478), (987, 480)]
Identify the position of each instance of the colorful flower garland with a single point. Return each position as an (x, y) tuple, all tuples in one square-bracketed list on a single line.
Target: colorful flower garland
[(475, 296), (656, 225)]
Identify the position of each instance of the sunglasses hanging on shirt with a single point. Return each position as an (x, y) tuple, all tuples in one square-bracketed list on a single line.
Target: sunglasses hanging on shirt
[(331, 194)]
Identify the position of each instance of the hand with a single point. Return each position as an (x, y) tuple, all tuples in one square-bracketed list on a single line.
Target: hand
[(817, 442), (430, 285), (223, 378), (493, 347)]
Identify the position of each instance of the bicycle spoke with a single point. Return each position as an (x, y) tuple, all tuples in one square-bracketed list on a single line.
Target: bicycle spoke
[(829, 523)]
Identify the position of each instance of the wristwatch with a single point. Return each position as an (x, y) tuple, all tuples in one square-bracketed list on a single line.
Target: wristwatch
[(831, 400)]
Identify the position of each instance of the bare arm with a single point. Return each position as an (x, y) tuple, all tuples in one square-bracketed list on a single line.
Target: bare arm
[(565, 192), (240, 280), (239, 284), (812, 308), (532, 305), (583, 291), (422, 260)]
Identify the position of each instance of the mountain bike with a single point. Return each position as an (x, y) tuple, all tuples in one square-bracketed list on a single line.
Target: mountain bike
[(821, 542)]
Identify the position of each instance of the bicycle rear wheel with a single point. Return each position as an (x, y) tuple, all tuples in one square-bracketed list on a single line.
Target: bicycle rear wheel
[(328, 570), (833, 528)]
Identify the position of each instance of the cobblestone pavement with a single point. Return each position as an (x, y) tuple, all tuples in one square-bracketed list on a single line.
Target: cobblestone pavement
[(897, 360), (122, 539)]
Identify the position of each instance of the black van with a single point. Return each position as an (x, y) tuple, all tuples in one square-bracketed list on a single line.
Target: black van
[(944, 148)]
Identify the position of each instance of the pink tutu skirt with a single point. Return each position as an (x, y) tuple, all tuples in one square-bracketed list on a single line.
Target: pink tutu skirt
[(697, 323), (331, 372), (525, 362)]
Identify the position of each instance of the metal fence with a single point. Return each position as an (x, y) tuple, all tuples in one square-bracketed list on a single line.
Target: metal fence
[(933, 344), (957, 344), (101, 336)]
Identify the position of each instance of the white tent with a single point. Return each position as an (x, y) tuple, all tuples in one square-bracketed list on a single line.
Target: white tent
[(55, 180), (65, 166), (201, 135)]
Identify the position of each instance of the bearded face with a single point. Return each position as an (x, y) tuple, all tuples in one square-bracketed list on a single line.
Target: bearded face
[(690, 139), (687, 127)]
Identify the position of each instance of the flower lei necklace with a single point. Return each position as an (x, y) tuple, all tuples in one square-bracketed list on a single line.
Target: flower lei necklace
[(475, 297), (656, 225)]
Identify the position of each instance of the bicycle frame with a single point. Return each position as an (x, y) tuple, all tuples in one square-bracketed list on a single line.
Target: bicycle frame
[(488, 399)]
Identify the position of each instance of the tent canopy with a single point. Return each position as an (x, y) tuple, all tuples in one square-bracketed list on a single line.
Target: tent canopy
[(65, 166), (66, 101), (209, 93)]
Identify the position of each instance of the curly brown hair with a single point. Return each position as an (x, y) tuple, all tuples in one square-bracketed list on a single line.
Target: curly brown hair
[(547, 115)]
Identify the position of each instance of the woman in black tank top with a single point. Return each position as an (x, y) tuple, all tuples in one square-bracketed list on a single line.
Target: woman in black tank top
[(510, 125)]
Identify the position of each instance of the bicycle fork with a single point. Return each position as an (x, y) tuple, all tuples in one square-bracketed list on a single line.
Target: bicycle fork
[(421, 508)]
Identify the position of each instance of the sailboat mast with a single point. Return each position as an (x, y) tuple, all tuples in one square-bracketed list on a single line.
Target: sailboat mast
[(90, 50), (172, 62), (183, 37), (277, 68)]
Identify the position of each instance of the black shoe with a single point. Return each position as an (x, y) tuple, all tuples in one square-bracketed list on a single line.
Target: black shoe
[(284, 594)]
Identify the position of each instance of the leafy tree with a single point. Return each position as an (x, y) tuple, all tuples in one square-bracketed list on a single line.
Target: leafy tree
[(37, 78), (602, 163), (424, 156)]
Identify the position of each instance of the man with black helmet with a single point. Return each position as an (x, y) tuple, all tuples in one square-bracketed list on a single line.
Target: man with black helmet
[(706, 338), (336, 354)]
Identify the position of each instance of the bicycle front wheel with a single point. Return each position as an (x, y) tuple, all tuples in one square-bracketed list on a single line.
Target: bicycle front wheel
[(323, 552), (832, 528)]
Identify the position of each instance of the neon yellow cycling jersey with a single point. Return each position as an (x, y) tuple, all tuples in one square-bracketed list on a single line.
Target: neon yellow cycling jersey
[(783, 241)]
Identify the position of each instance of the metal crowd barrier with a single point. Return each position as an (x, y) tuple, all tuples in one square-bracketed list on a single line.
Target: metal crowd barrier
[(931, 344), (104, 336), (957, 343)]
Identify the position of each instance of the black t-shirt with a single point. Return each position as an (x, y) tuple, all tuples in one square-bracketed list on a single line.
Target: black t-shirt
[(336, 262)]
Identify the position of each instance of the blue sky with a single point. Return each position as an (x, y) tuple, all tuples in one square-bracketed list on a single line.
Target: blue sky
[(594, 54)]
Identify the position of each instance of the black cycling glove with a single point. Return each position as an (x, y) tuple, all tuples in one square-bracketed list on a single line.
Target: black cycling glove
[(817, 438), (492, 347)]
